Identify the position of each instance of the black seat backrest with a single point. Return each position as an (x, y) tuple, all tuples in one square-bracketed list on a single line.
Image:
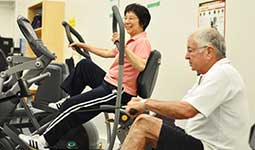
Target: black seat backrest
[(49, 89), (252, 137), (3, 62), (147, 79), (6, 45)]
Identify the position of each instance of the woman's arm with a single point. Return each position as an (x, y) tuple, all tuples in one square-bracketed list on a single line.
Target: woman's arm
[(106, 53), (137, 62)]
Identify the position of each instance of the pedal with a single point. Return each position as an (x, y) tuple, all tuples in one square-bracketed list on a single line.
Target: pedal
[(43, 106), (13, 133)]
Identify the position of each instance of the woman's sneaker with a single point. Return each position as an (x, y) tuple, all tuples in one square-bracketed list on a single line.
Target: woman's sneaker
[(36, 142), (58, 104)]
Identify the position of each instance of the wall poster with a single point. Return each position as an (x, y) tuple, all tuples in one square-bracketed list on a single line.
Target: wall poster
[(212, 13)]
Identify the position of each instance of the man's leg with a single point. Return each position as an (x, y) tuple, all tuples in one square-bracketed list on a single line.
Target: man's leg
[(145, 129)]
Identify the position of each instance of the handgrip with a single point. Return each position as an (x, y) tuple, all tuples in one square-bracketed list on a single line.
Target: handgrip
[(133, 111), (34, 42), (70, 30), (117, 20)]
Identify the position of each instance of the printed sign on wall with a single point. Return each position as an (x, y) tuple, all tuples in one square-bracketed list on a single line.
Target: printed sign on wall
[(153, 3), (212, 14)]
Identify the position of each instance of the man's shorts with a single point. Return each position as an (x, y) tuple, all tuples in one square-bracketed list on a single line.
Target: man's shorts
[(175, 138)]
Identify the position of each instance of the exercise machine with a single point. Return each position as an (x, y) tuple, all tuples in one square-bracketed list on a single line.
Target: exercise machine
[(14, 84), (19, 92), (146, 83)]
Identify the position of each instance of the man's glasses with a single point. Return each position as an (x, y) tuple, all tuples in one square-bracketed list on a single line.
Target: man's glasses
[(190, 50)]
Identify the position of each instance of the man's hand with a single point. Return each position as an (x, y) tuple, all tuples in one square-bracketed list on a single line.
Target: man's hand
[(137, 104)]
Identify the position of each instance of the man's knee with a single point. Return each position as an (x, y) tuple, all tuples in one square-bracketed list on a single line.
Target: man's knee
[(144, 121), (148, 126), (143, 118), (140, 124)]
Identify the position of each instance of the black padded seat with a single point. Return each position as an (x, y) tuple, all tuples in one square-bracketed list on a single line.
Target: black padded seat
[(6, 45), (49, 89), (147, 79), (3, 62), (3, 67), (7, 107), (252, 137)]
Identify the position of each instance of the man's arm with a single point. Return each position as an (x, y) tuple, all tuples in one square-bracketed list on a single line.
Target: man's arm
[(174, 109), (171, 109)]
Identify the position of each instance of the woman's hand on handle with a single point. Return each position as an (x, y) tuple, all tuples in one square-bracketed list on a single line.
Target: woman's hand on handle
[(78, 44), (115, 37)]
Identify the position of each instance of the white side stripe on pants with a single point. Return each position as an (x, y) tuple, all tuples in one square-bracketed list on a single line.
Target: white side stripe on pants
[(81, 105)]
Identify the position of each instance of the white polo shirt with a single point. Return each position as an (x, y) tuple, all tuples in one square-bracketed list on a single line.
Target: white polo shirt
[(219, 96)]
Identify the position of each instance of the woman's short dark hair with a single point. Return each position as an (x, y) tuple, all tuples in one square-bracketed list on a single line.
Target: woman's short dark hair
[(141, 12)]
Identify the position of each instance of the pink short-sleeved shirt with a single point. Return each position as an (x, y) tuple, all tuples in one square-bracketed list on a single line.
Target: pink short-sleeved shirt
[(138, 44)]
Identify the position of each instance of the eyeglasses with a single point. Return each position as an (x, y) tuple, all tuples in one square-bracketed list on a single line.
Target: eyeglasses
[(130, 18), (190, 50)]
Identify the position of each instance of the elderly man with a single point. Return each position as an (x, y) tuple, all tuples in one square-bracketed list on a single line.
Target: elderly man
[(215, 107)]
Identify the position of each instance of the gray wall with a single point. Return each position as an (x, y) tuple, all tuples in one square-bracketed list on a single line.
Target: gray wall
[(7, 18)]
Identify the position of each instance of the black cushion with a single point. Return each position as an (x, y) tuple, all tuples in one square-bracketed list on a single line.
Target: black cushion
[(6, 45), (3, 62), (147, 79), (49, 89), (252, 137)]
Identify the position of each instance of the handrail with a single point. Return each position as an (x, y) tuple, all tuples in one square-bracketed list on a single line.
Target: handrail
[(35, 43), (70, 30), (121, 47), (121, 43)]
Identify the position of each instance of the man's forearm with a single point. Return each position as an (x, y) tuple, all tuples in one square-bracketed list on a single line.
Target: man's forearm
[(171, 109)]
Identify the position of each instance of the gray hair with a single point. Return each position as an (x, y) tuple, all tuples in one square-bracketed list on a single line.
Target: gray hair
[(211, 36)]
